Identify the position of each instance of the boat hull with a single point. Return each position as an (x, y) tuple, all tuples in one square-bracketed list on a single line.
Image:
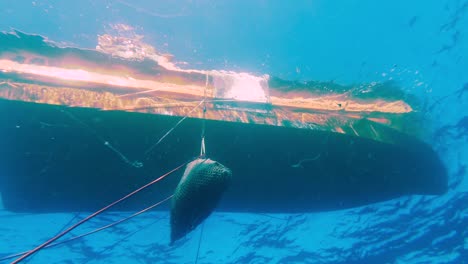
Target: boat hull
[(55, 158)]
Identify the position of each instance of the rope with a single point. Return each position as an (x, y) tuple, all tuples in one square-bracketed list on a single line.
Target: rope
[(93, 231), (199, 243), (203, 148), (94, 214), (148, 151)]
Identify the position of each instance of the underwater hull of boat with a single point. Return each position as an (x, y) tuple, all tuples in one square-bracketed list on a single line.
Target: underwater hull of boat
[(55, 158)]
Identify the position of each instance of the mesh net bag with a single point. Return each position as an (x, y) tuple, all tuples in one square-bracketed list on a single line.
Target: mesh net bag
[(197, 194)]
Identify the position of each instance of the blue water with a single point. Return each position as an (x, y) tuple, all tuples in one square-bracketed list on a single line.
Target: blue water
[(423, 45)]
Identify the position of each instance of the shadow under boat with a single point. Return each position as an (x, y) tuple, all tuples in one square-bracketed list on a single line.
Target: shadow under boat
[(294, 147), (62, 166)]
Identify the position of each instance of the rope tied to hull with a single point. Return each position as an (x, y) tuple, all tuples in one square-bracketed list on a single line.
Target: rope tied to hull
[(203, 148)]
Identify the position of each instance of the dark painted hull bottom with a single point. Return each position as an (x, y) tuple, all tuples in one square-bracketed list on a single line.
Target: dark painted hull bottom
[(55, 160)]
